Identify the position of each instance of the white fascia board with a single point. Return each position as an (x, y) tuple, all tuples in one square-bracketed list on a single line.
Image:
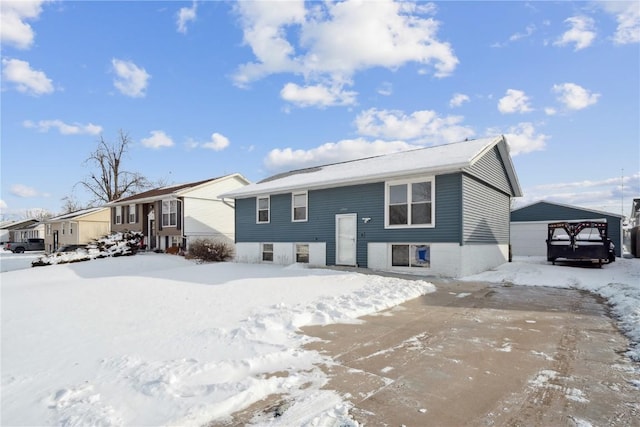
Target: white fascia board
[(369, 179)]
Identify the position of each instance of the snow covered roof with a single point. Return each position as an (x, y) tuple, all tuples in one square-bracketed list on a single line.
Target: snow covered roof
[(174, 190), (431, 160), (76, 214)]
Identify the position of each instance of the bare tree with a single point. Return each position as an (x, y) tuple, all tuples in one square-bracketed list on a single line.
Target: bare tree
[(39, 214), (110, 182), (71, 204)]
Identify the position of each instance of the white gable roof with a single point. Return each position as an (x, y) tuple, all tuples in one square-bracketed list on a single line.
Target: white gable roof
[(432, 160), (76, 214)]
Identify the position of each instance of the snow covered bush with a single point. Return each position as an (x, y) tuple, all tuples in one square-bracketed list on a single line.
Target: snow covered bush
[(115, 244), (207, 250)]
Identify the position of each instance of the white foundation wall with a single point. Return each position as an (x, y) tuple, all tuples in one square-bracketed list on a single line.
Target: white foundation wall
[(479, 258), (283, 253), (447, 259)]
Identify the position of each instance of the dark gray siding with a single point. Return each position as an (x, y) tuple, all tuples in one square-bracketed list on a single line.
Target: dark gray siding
[(365, 200), (543, 211), (485, 213), (490, 168)]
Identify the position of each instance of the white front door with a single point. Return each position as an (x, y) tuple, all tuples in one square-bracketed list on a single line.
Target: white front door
[(346, 230)]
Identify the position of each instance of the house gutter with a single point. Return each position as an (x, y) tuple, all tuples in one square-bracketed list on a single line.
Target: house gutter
[(282, 189)]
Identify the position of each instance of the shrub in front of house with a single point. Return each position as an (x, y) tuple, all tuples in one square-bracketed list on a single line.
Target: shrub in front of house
[(115, 244), (207, 250)]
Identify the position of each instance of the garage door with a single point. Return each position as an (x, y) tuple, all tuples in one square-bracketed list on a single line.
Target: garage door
[(529, 238)]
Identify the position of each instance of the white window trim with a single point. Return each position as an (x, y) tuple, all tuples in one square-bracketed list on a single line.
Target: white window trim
[(258, 209), (262, 252), (295, 250), (408, 182), (118, 219), (306, 206), (170, 201), (410, 268), (132, 214)]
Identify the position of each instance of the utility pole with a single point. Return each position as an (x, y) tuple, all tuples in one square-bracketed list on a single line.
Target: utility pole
[(622, 192)]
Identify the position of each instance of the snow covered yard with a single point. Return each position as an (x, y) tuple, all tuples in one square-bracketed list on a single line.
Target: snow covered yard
[(155, 339)]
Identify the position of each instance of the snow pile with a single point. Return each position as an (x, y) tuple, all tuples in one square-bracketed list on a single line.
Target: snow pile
[(115, 244), (618, 282), (159, 340)]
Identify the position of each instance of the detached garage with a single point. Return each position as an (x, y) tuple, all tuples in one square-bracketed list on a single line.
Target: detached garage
[(529, 226)]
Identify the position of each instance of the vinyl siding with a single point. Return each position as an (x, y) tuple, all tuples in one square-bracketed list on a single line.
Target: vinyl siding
[(490, 169), (542, 211), (367, 201), (485, 214)]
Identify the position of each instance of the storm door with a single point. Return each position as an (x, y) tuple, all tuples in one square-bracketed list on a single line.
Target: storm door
[(346, 230)]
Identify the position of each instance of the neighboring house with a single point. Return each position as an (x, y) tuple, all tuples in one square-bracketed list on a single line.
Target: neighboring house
[(442, 210), (178, 214), (529, 225), (76, 228), (20, 231)]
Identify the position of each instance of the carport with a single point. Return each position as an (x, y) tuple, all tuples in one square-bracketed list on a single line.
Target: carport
[(529, 225)]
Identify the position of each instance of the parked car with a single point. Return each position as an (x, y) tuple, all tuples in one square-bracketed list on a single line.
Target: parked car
[(28, 245)]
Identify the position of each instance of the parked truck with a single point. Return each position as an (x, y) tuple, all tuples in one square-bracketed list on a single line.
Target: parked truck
[(28, 245)]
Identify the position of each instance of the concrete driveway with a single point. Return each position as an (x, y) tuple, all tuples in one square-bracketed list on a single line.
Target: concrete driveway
[(485, 355)]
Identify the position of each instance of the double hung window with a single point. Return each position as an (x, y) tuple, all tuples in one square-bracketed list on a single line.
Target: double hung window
[(263, 209), (118, 214), (267, 252), (299, 206), (302, 253), (169, 213), (132, 214)]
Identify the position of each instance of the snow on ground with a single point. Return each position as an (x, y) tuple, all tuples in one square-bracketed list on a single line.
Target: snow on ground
[(10, 261), (618, 283), (155, 339)]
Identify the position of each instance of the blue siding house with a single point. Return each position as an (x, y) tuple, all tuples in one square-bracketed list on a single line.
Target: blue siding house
[(442, 210)]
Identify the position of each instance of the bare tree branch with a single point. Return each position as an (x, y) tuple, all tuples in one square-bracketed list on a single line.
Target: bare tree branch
[(109, 182)]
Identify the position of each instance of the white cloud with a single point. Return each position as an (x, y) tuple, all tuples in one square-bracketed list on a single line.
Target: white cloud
[(218, 142), (522, 138), (317, 95), (158, 139), (385, 89), (423, 126), (64, 128), (515, 101), (458, 99), (3, 204), (575, 97), (26, 79), (372, 34), (130, 80), (14, 29), (582, 32), (185, 15), (550, 111), (24, 191), (350, 149), (529, 30), (627, 15)]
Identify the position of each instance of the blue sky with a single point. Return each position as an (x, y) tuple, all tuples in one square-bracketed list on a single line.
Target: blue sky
[(209, 88)]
